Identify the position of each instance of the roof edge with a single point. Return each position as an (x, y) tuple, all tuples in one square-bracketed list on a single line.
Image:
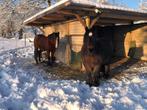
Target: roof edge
[(106, 6)]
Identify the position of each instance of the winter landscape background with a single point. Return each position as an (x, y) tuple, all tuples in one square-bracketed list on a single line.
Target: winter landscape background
[(25, 85)]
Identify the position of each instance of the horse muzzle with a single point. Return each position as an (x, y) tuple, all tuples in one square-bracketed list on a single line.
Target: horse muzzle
[(91, 50)]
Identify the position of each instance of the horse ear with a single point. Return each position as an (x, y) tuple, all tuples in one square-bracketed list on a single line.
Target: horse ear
[(58, 33), (98, 14), (86, 28)]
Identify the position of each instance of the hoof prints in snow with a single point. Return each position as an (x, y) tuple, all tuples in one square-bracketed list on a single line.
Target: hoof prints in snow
[(23, 87)]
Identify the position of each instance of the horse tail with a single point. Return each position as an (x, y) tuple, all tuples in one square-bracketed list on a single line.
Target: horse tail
[(35, 49)]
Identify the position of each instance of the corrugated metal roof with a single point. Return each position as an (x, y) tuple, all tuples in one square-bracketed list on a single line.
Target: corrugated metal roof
[(110, 14)]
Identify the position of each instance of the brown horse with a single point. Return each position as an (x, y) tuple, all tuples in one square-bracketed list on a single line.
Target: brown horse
[(96, 51), (42, 43), (96, 55)]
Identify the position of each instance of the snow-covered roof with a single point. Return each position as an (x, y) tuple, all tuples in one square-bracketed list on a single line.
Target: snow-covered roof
[(110, 14)]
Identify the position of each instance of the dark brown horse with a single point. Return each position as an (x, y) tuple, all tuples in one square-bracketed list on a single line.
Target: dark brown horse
[(96, 52), (43, 43), (96, 55)]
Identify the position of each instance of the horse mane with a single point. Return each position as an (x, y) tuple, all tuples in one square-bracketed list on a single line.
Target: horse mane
[(54, 36), (54, 33)]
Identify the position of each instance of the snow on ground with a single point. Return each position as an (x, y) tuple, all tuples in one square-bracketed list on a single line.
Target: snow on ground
[(13, 43), (24, 86)]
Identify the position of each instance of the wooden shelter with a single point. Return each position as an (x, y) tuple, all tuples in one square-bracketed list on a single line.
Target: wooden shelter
[(127, 28)]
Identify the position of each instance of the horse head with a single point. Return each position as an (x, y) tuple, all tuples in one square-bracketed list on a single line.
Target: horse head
[(56, 34), (89, 41)]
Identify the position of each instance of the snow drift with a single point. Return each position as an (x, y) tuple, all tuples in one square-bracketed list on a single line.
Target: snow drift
[(24, 86)]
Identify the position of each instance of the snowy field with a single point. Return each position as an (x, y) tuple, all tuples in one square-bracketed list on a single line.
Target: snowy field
[(24, 86), (7, 44)]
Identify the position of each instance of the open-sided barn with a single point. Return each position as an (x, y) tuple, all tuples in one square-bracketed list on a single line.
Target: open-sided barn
[(127, 28)]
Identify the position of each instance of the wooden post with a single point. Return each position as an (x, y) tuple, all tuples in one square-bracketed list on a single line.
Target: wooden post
[(25, 41), (81, 21), (76, 15), (42, 30), (49, 2), (98, 14)]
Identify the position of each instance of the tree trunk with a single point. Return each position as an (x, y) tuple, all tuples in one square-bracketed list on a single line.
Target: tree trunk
[(20, 32), (49, 2)]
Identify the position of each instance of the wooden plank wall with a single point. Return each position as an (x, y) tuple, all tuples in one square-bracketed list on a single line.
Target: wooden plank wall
[(131, 41), (48, 30), (72, 29), (76, 31)]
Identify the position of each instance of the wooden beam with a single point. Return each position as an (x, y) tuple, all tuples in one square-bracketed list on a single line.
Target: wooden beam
[(124, 16), (54, 15), (76, 15), (66, 12), (80, 12), (95, 19), (41, 23), (36, 24), (52, 19), (41, 29), (104, 24), (113, 20)]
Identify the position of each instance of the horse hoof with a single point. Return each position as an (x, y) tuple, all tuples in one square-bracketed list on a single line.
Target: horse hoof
[(96, 84), (37, 63), (106, 76), (49, 64), (89, 83), (92, 84)]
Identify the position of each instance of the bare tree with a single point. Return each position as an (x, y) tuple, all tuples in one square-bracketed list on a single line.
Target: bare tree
[(49, 2), (143, 5), (14, 12)]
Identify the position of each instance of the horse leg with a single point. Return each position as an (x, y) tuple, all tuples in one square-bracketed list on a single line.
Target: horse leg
[(39, 55), (89, 78), (107, 70), (49, 58), (102, 70), (96, 75), (53, 56), (88, 74), (36, 55)]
